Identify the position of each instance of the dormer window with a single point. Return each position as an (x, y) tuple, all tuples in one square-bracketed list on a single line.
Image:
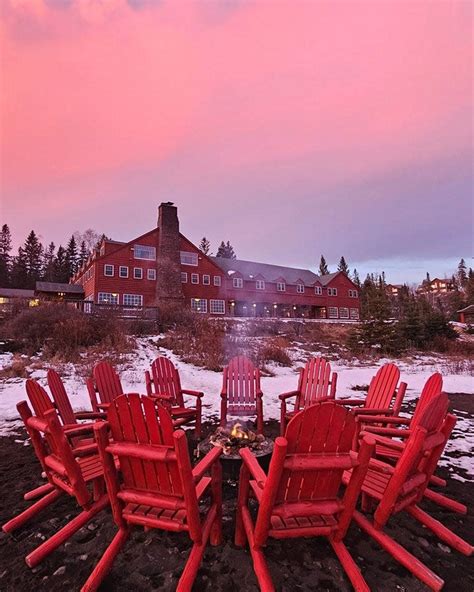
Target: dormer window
[(144, 252), (332, 291), (238, 282), (189, 258), (281, 287), (300, 288), (318, 290), (260, 285)]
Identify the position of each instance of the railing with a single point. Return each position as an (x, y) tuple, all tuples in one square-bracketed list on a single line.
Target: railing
[(120, 310)]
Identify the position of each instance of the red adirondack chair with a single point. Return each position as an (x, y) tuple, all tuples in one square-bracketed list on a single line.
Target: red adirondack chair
[(164, 383), (315, 383), (382, 391), (66, 473), (157, 487), (300, 495), (63, 404), (401, 488), (104, 386), (241, 393)]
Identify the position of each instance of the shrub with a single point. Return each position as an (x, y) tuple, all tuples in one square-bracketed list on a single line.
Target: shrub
[(273, 352), (16, 369)]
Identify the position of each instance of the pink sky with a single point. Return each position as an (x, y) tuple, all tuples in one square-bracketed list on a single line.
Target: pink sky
[(346, 123)]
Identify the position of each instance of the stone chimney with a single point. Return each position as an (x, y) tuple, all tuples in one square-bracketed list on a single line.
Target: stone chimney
[(168, 264)]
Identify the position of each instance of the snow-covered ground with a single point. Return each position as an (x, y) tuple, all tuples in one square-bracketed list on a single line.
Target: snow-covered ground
[(415, 373)]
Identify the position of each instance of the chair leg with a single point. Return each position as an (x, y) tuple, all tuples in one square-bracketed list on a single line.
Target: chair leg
[(240, 537), (42, 503), (106, 561), (197, 425), (216, 529), (259, 563), (409, 561), (441, 531), (66, 532), (38, 492), (350, 566), (435, 480), (445, 502)]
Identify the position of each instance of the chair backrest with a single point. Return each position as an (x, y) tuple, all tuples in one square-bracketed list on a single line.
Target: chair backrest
[(166, 380), (61, 400), (382, 387), (107, 382), (315, 382), (432, 388), (154, 460), (418, 460), (38, 398), (242, 381)]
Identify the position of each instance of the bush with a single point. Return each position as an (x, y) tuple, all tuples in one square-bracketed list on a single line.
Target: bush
[(273, 351), (16, 369)]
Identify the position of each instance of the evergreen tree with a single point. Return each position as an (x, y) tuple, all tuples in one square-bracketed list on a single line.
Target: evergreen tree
[(5, 259), (72, 257), (205, 246), (323, 267), (226, 251), (48, 263), (343, 266), (61, 266), (83, 254), (356, 278), (462, 274), (19, 273), (33, 253), (470, 288)]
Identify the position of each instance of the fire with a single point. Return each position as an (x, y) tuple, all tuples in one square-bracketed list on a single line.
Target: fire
[(235, 437), (238, 431)]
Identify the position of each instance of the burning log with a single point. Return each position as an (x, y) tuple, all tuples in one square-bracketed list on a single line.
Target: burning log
[(238, 436)]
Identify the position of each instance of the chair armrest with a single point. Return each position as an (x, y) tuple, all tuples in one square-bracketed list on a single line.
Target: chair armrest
[(89, 415), (382, 418), (103, 406), (350, 401), (380, 412), (259, 394), (287, 395), (254, 468), (385, 441), (163, 396), (224, 393), (206, 463), (199, 394), (393, 432), (78, 429)]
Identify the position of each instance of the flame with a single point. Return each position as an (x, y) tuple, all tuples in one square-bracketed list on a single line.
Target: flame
[(238, 432)]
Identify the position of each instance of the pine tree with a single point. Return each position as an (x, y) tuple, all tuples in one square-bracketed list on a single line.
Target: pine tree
[(323, 267), (61, 266), (83, 254), (470, 288), (343, 266), (226, 251), (462, 274), (19, 273), (48, 263), (5, 259), (205, 246), (72, 257), (356, 278), (33, 253)]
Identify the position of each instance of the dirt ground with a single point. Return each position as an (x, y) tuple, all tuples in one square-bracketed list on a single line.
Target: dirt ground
[(154, 560)]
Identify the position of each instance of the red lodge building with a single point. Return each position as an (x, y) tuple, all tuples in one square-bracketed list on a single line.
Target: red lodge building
[(163, 266)]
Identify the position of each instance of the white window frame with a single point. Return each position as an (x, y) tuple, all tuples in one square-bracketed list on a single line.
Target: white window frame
[(199, 305), (121, 268), (318, 290), (217, 280), (343, 312), (113, 297), (333, 312), (151, 251), (206, 279), (138, 297), (332, 291), (353, 294), (151, 272), (184, 277), (281, 287), (354, 314), (135, 269), (105, 270), (260, 284), (237, 282), (195, 278), (300, 288), (189, 258), (217, 306)]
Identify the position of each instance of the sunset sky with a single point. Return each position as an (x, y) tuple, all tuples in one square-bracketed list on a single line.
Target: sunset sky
[(289, 128)]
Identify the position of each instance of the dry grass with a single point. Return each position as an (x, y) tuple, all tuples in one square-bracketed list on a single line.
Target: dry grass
[(16, 369)]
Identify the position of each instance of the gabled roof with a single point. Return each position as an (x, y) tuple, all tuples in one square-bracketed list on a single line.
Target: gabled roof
[(16, 293), (469, 308), (56, 287), (251, 269), (325, 279)]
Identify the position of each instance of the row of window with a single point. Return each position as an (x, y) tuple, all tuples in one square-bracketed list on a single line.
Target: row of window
[(123, 272), (215, 306), (343, 313), (300, 288), (127, 299), (206, 279)]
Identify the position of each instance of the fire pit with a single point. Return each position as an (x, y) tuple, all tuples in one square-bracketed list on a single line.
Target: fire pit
[(231, 439)]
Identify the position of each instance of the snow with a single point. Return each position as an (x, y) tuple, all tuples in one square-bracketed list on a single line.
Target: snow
[(415, 372)]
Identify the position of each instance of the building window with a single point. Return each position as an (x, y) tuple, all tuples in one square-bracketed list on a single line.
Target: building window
[(132, 300), (343, 313), (300, 288), (123, 271), (151, 274), (188, 258), (199, 305), (109, 270), (260, 285), (107, 298), (195, 278), (332, 312), (184, 277), (217, 306), (281, 287), (318, 290), (238, 282), (144, 252), (206, 280), (137, 273), (332, 291), (353, 294), (217, 280), (355, 314)]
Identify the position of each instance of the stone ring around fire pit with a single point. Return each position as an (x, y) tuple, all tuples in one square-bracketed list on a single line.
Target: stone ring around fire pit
[(231, 440)]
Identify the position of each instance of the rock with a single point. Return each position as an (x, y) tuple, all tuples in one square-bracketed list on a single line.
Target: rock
[(92, 526), (423, 542), (60, 571), (444, 548), (83, 557)]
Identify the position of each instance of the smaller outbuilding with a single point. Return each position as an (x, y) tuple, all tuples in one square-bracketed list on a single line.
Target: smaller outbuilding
[(466, 315)]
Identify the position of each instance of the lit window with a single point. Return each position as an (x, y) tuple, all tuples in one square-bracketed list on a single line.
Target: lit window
[(260, 285), (107, 298), (238, 282), (281, 287), (300, 288), (332, 291), (199, 305), (144, 252), (206, 280), (217, 306), (184, 277), (137, 273), (217, 280), (355, 314), (195, 278), (188, 258), (318, 290), (109, 270), (123, 271), (132, 300), (151, 274), (343, 313), (332, 312)]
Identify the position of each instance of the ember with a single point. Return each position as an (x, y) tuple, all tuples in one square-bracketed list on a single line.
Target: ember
[(231, 439)]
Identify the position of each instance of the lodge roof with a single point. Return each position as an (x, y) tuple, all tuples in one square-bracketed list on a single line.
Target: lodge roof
[(57, 287), (16, 293), (469, 308)]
